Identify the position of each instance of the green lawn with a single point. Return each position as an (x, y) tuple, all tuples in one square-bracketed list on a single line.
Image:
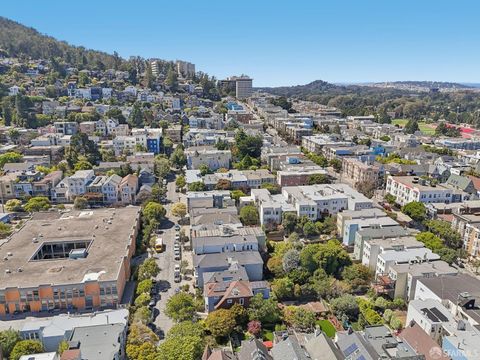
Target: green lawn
[(400, 122), (327, 327), (423, 126)]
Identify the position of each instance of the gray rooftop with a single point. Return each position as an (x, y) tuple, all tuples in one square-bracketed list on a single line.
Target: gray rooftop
[(108, 230), (99, 341)]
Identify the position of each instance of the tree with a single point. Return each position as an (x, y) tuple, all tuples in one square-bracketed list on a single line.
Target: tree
[(5, 230), (181, 348), (249, 215), (289, 222), (272, 188), (197, 186), (248, 144), (141, 315), (358, 276), (220, 323), (37, 203), (82, 164), (345, 305), (283, 288), (142, 351), (80, 202), (135, 120), (8, 339), (81, 147), (148, 269), (172, 80), (265, 311), (10, 157), (430, 240), (26, 347), (180, 307), (275, 266), (416, 210), (411, 127), (318, 179), (300, 318), (367, 188), (385, 138), (336, 164), (180, 182), (142, 300), (179, 209), (186, 328), (223, 184), (178, 158), (309, 229), (14, 135), (237, 194), (254, 327), (204, 169), (144, 286), (13, 205), (391, 199), (62, 347), (396, 323), (154, 211), (141, 342), (290, 260), (161, 166), (331, 257)]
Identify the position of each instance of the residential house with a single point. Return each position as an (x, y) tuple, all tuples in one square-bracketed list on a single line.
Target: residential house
[(77, 183), (128, 189)]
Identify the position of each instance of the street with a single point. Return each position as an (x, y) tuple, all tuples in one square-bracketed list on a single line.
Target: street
[(166, 263)]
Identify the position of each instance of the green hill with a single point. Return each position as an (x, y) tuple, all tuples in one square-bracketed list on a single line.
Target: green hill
[(21, 41)]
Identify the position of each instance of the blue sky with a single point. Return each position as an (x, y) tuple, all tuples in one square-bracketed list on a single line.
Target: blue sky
[(277, 42)]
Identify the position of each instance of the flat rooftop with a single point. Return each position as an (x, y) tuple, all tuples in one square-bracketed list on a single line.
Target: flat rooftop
[(408, 181), (438, 267), (105, 231)]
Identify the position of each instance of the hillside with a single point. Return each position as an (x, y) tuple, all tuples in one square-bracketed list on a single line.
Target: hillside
[(314, 88), (18, 40)]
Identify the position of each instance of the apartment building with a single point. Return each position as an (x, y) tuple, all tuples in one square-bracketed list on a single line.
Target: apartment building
[(404, 276), (345, 215), (351, 227), (127, 189), (214, 159), (316, 143), (374, 247), (358, 172), (411, 188), (402, 256), (185, 68), (79, 260)]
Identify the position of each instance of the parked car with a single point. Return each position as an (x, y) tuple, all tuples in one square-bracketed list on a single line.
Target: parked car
[(177, 227), (177, 268), (177, 277), (177, 255)]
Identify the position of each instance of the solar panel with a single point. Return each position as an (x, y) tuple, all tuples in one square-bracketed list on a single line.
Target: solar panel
[(351, 349), (430, 315), (361, 357), (439, 314)]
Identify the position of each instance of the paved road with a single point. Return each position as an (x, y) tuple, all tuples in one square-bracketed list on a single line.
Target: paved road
[(166, 262)]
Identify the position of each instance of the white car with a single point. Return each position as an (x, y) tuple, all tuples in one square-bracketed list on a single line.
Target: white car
[(177, 268)]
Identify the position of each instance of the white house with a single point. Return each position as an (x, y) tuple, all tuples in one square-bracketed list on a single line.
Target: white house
[(77, 183)]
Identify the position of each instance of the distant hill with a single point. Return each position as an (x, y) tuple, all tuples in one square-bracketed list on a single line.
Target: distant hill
[(316, 87), (21, 41), (421, 84)]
